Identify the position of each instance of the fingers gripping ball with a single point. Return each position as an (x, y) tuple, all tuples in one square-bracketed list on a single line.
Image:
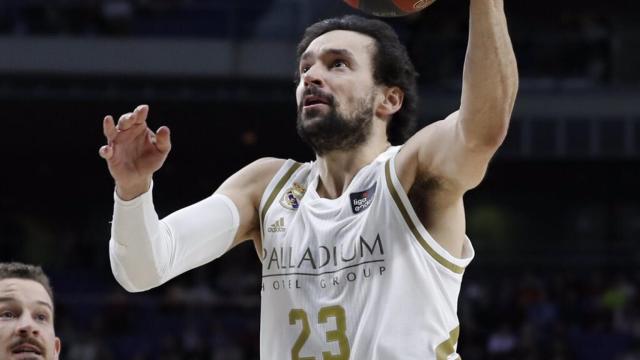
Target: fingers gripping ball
[(389, 8)]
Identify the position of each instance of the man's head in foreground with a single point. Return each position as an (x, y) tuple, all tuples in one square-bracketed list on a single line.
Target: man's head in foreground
[(26, 314)]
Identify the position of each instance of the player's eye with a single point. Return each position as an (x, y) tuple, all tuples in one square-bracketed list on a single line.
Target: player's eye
[(339, 63), (6, 314), (304, 68), (42, 317)]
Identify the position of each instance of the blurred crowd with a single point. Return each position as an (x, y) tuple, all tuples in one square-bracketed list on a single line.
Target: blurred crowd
[(580, 300), (558, 315), (118, 18), (214, 314), (574, 49)]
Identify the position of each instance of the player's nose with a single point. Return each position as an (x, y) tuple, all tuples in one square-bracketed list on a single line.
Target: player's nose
[(26, 326), (313, 76)]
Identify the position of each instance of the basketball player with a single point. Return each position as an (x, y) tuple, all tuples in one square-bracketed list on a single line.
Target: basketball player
[(362, 250), (26, 314)]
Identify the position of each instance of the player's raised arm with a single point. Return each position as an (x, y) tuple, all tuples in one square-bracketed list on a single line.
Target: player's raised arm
[(445, 159), (457, 150), (146, 251), (490, 79)]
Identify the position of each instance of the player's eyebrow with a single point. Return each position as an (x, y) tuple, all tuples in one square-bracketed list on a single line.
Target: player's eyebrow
[(7, 299), (12, 300), (332, 51), (46, 304)]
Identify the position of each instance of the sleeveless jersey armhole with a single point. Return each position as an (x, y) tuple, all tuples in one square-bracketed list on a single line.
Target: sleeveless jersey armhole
[(273, 189), (419, 232)]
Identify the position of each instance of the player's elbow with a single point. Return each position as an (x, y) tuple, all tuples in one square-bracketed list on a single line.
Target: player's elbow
[(134, 281), (488, 137), (133, 273), (493, 139), (128, 285)]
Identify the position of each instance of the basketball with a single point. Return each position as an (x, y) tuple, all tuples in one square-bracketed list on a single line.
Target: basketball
[(389, 8)]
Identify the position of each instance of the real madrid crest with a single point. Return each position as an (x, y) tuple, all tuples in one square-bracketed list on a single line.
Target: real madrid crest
[(292, 197)]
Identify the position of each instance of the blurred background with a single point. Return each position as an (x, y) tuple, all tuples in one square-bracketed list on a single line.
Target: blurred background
[(555, 224)]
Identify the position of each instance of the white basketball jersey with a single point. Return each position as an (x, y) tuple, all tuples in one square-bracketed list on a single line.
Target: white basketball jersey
[(357, 277)]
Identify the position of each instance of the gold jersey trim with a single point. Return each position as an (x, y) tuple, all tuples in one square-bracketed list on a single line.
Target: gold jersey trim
[(276, 190), (413, 227), (444, 350)]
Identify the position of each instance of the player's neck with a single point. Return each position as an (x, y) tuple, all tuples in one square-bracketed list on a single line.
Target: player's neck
[(338, 168)]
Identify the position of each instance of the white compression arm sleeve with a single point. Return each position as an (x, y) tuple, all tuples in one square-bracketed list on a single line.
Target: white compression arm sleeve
[(146, 252)]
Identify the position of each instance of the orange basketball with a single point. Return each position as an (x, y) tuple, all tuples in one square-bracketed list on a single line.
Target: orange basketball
[(389, 8)]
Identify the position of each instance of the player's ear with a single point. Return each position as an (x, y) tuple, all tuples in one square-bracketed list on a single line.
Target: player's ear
[(392, 98), (57, 347)]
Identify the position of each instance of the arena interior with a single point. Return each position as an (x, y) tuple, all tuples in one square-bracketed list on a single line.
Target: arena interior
[(555, 224)]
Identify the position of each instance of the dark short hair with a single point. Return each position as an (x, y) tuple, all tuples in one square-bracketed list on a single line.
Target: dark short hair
[(391, 65), (16, 270)]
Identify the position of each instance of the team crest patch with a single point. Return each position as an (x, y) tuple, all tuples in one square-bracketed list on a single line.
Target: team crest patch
[(292, 197), (360, 201)]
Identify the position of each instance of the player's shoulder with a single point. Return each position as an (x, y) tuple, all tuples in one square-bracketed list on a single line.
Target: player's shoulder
[(263, 168), (430, 133), (267, 164), (271, 165), (254, 177)]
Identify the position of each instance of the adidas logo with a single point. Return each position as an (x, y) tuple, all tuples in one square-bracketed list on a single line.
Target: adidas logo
[(277, 226)]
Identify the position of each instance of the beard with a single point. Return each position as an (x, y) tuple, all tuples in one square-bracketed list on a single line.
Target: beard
[(334, 131)]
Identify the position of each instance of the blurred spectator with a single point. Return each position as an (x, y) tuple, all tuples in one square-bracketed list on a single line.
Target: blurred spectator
[(502, 343)]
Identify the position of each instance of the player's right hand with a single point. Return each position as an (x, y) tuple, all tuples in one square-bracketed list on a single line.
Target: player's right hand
[(133, 151)]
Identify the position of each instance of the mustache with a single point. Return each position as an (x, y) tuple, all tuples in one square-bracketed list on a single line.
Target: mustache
[(313, 90), (28, 341)]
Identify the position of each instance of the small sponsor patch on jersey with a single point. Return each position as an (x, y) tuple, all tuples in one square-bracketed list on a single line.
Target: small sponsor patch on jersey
[(292, 197), (360, 201)]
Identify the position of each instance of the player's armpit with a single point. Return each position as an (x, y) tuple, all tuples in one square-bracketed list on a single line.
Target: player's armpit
[(245, 189)]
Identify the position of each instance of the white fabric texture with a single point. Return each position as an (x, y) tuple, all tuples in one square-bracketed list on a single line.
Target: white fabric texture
[(146, 252)]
